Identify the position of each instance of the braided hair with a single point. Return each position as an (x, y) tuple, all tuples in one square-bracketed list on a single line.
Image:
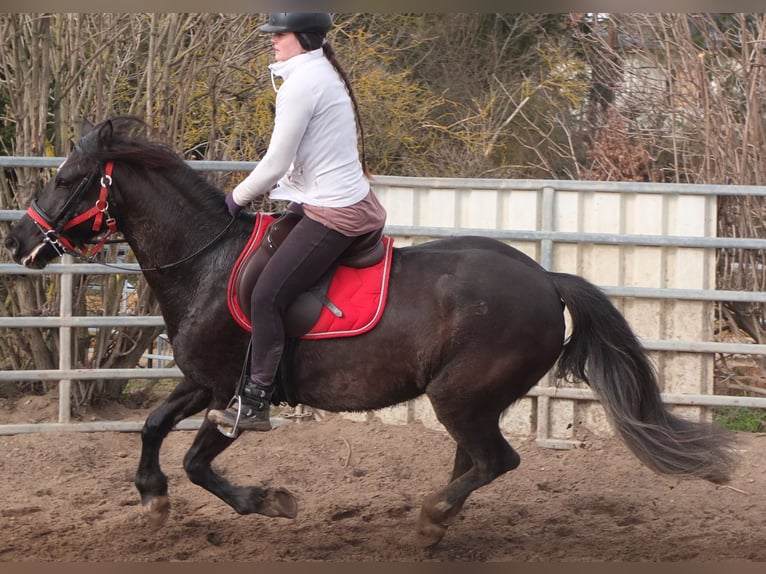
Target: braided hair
[(313, 40)]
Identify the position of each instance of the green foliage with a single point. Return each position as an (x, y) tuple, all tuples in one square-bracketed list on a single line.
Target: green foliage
[(397, 112), (500, 78), (744, 419)]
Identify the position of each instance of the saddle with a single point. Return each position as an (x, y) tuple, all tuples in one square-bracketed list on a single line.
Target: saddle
[(303, 315)]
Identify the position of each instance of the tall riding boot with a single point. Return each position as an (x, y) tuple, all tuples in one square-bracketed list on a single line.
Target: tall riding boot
[(250, 412)]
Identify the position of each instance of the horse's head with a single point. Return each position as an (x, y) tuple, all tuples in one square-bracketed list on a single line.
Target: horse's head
[(73, 207)]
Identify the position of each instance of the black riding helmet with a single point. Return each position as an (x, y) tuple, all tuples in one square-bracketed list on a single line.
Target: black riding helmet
[(320, 22)]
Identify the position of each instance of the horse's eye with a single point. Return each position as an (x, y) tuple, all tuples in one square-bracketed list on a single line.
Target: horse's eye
[(62, 182)]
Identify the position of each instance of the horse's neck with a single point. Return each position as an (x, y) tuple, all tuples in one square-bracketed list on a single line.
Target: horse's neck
[(164, 229)]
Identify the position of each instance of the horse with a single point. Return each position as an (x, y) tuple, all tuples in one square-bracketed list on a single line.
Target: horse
[(470, 322)]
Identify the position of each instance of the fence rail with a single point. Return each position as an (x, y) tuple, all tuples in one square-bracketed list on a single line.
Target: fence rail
[(65, 322)]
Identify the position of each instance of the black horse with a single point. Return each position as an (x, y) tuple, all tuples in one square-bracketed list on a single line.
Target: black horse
[(470, 321)]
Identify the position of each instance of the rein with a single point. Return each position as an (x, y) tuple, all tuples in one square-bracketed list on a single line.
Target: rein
[(53, 228), (191, 256)]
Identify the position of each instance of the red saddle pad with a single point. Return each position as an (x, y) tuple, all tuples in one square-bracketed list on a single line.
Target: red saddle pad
[(359, 293)]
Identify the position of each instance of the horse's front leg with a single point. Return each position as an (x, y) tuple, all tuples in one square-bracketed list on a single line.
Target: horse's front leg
[(208, 444), (152, 484)]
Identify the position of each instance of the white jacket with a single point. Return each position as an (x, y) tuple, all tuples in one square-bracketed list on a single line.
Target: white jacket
[(313, 153)]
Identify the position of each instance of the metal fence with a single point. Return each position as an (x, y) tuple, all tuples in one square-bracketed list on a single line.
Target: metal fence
[(65, 322)]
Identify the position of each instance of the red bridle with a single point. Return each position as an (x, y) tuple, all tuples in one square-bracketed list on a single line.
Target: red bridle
[(53, 229)]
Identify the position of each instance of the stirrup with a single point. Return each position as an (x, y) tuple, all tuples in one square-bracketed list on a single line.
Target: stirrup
[(234, 432)]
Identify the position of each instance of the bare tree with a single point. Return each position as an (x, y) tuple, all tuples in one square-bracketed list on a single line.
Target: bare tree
[(689, 108), (59, 68)]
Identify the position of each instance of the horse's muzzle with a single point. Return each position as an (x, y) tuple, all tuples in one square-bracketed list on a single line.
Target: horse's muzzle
[(34, 259)]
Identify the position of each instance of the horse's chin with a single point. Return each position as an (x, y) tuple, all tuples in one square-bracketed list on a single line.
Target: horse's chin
[(36, 258), (37, 265)]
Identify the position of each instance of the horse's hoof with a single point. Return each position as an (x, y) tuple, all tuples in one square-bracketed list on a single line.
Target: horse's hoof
[(429, 534), (429, 531), (157, 511), (279, 502)]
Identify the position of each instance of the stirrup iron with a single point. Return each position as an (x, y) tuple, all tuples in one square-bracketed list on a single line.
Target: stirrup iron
[(237, 398), (234, 432)]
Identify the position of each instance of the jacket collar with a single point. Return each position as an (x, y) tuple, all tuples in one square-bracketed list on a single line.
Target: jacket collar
[(284, 69)]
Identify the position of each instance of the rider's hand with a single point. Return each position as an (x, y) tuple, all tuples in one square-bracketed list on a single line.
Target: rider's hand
[(233, 207)]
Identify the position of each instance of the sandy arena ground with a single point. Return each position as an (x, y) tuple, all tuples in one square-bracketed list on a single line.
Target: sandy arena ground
[(70, 497)]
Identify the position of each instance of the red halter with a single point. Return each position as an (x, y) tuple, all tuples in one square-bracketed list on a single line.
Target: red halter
[(53, 230)]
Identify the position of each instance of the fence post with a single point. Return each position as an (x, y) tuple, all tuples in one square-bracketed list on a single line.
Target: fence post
[(65, 341)]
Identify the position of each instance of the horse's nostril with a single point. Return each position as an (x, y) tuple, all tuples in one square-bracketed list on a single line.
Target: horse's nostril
[(11, 244)]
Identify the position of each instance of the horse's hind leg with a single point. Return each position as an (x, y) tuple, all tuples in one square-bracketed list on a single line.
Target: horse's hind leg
[(491, 456), (463, 463), (482, 452), (152, 484)]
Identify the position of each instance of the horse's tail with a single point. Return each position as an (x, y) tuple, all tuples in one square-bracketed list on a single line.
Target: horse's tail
[(604, 352)]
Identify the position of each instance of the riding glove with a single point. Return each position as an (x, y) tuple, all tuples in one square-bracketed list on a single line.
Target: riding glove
[(233, 207)]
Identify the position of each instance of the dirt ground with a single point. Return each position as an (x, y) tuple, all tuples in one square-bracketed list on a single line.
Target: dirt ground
[(70, 497)]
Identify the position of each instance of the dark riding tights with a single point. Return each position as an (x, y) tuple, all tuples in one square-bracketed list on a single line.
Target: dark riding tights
[(304, 256)]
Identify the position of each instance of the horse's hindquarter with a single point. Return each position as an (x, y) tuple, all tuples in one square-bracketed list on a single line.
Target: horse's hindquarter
[(457, 301)]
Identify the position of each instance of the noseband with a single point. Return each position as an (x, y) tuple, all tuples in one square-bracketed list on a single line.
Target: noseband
[(53, 228)]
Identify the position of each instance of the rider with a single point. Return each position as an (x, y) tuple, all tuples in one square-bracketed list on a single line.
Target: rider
[(313, 160)]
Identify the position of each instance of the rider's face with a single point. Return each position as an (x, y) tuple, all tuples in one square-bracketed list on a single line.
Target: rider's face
[(285, 45)]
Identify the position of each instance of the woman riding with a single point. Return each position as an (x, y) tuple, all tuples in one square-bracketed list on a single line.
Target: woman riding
[(312, 160)]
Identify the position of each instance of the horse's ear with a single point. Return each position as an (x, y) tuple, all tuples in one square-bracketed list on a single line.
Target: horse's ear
[(105, 133), (85, 126)]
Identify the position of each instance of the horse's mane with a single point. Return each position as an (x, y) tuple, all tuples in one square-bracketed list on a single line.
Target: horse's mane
[(135, 142)]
